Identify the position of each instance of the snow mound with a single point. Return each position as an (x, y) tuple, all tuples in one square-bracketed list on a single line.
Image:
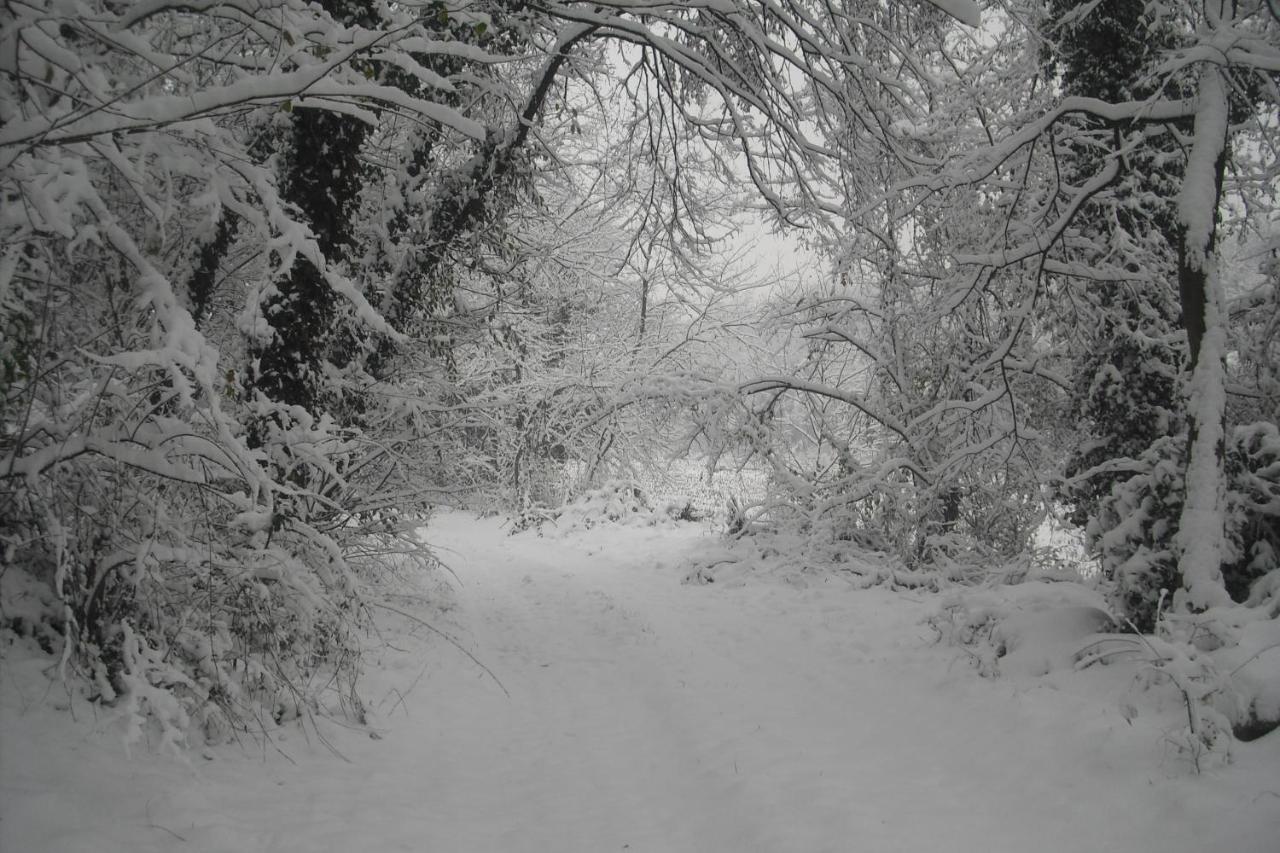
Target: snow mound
[(1028, 629), (1253, 668), (1037, 634)]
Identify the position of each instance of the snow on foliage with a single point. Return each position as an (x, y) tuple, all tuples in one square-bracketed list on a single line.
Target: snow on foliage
[(1132, 533), (616, 502)]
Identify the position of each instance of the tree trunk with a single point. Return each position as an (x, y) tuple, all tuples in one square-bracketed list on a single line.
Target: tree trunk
[(1200, 538)]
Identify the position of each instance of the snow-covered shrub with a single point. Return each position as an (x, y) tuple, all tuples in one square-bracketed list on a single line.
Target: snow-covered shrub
[(1028, 629), (1253, 507), (699, 491), (789, 552), (1216, 658), (1203, 690), (1208, 693), (29, 609), (177, 565), (895, 522), (686, 489), (616, 502), (857, 482), (1133, 533), (707, 492)]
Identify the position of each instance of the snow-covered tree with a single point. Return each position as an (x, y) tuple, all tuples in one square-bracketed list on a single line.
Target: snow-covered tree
[(1164, 192), (935, 362)]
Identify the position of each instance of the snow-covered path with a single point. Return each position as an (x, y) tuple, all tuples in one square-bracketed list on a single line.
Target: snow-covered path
[(648, 715), (643, 714)]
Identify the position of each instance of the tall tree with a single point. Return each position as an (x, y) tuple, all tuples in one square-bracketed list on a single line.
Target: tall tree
[(1123, 333), (1171, 183), (942, 354)]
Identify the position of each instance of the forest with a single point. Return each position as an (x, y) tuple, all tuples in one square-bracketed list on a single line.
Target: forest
[(282, 279)]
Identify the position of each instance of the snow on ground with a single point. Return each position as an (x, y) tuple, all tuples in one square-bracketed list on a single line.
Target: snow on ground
[(639, 713)]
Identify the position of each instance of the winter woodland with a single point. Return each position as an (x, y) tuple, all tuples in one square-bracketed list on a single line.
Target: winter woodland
[(281, 280)]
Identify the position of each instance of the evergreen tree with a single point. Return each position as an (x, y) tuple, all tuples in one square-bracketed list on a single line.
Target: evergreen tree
[(1122, 331)]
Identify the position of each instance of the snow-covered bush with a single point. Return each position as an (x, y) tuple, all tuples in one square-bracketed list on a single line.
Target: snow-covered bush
[(178, 566), (1202, 688), (615, 502), (1133, 533), (1028, 629), (704, 493), (1216, 659), (687, 489), (1253, 508)]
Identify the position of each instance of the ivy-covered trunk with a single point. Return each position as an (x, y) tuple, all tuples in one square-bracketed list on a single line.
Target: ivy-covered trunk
[(323, 177), (1200, 539)]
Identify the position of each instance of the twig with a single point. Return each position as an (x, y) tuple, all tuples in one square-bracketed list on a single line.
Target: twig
[(324, 740), (1094, 652), (168, 830), (1251, 658), (153, 825), (405, 695), (447, 638)]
